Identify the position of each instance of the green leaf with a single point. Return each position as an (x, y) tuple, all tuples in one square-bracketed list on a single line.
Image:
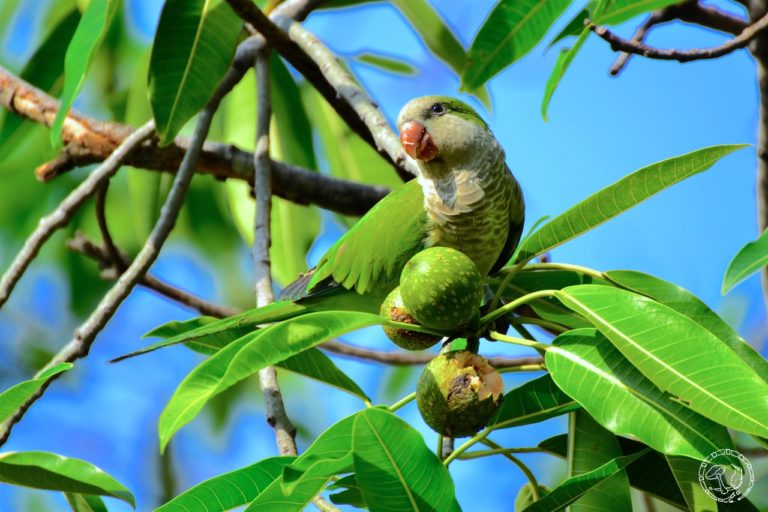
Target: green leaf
[(564, 59), (676, 354), (394, 468), (80, 53), (229, 490), (621, 196), (750, 258), (575, 487), (192, 50), (686, 473), (85, 502), (618, 11), (14, 397), (386, 63), (587, 367), (249, 354), (42, 470), (684, 302), (512, 29), (350, 492), (574, 27), (536, 400), (590, 447)]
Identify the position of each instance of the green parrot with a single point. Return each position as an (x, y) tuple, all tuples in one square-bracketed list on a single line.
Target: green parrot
[(465, 197)]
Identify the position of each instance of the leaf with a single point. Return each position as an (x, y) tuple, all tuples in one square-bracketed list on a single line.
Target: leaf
[(676, 354), (686, 473), (248, 355), (574, 487), (350, 492), (43, 470), (229, 490), (618, 11), (750, 258), (564, 59), (512, 29), (590, 447), (574, 27), (85, 502), (536, 400), (80, 53), (684, 302), (14, 397), (387, 63), (621, 196), (587, 367), (192, 50), (394, 468)]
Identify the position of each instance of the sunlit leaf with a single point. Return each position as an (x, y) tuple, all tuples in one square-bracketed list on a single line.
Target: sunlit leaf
[(676, 354), (617, 11), (536, 400), (564, 59), (386, 63), (192, 50), (394, 468), (750, 258), (80, 53), (42, 470), (13, 398), (512, 29), (587, 367), (573, 28), (621, 196)]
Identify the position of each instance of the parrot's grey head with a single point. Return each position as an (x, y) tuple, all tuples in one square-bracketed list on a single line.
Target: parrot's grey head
[(443, 134)]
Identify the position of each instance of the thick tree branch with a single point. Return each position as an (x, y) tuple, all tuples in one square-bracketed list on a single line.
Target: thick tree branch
[(89, 141), (639, 48), (63, 213)]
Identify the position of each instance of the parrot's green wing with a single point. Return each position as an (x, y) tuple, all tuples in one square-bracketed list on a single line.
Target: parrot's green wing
[(516, 221), (370, 256)]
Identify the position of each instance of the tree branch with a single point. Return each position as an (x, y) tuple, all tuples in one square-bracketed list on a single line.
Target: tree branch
[(63, 213), (639, 48), (89, 141)]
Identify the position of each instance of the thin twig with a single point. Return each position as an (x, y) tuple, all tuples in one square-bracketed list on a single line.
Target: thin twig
[(90, 141), (113, 253), (63, 213), (85, 335), (638, 48)]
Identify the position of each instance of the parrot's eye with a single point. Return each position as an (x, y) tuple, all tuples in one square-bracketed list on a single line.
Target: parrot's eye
[(437, 108)]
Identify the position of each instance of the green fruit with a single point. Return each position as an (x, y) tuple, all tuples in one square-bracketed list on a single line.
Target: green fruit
[(458, 392), (441, 288), (393, 309)]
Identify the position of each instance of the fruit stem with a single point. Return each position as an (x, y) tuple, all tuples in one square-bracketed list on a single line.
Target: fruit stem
[(522, 368), (410, 327), (498, 451), (467, 444), (402, 402), (520, 464), (506, 308), (595, 274), (519, 341), (529, 320)]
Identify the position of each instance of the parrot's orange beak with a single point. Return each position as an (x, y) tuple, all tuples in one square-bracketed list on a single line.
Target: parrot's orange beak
[(417, 141)]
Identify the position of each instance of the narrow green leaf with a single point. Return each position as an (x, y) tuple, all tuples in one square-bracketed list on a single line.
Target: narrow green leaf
[(248, 355), (618, 11), (80, 53), (676, 354), (394, 468), (192, 50), (387, 63), (684, 302), (564, 59), (512, 29), (621, 196), (13, 398), (587, 367), (575, 487), (229, 490), (349, 492), (591, 446), (85, 502), (573, 28), (42, 470), (750, 258), (536, 400), (686, 473)]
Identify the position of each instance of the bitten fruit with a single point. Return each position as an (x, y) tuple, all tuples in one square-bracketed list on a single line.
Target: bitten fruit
[(393, 309)]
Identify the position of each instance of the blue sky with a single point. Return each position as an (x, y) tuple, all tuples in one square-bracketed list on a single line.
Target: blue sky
[(600, 129)]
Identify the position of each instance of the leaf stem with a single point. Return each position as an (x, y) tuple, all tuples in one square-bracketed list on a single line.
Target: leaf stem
[(493, 315), (467, 444), (519, 341), (596, 274), (523, 368), (529, 320), (498, 451), (402, 402), (410, 327), (520, 464)]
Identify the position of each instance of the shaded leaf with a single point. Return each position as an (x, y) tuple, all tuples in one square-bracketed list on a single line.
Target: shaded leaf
[(85, 502), (676, 354), (192, 50), (349, 492), (15, 396), (81, 51), (229, 490), (587, 367), (42, 470), (573, 28), (536, 400), (564, 59), (750, 258), (617, 11), (512, 29), (621, 196), (394, 468), (386, 63)]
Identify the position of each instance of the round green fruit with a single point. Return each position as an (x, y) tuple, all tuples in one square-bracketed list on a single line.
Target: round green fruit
[(442, 288), (458, 392), (393, 309)]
